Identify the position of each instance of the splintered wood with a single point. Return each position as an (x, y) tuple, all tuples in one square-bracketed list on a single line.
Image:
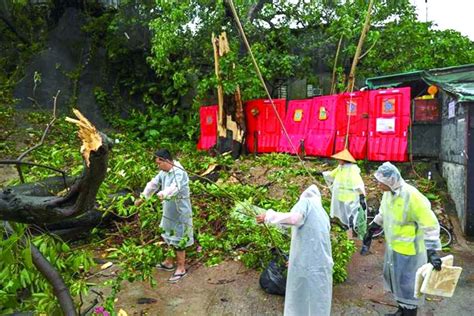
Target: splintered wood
[(225, 121), (91, 140)]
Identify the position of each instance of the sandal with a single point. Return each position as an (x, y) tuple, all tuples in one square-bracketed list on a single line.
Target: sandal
[(177, 277), (161, 266)]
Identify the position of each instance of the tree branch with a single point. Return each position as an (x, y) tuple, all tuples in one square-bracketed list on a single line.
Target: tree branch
[(368, 50), (54, 278), (60, 289), (55, 98), (255, 9)]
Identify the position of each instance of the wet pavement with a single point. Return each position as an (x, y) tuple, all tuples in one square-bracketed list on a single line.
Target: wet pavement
[(231, 289), (362, 293)]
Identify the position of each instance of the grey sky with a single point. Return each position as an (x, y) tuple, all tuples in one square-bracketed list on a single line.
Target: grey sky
[(448, 14)]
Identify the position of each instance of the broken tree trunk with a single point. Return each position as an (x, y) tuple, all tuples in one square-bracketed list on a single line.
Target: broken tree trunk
[(40, 210), (81, 197), (231, 120)]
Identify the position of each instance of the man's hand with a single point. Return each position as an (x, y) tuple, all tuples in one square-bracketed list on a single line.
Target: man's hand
[(138, 202), (434, 259), (260, 218)]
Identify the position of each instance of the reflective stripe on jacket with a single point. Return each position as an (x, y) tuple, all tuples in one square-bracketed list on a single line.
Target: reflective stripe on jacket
[(345, 181), (409, 223)]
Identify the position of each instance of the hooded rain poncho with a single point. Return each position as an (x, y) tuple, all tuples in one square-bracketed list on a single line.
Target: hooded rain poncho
[(177, 221), (346, 185), (410, 228), (309, 280)]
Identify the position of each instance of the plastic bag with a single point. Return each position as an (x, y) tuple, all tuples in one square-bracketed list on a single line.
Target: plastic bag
[(273, 278), (360, 225)]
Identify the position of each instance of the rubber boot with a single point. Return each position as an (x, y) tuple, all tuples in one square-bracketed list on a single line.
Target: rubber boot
[(410, 312), (399, 312), (366, 245)]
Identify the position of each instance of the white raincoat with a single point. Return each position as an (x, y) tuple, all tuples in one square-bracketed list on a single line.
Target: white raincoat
[(177, 220), (410, 228), (346, 185), (309, 279)]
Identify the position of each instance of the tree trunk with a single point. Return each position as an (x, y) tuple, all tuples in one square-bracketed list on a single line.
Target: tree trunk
[(24, 207), (39, 210), (231, 119), (334, 68), (365, 29)]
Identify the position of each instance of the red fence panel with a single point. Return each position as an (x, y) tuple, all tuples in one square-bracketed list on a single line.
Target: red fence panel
[(263, 126), (389, 122), (208, 120), (356, 106), (321, 130), (296, 123)]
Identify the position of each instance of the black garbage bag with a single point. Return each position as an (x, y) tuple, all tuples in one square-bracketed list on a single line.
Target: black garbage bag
[(273, 278)]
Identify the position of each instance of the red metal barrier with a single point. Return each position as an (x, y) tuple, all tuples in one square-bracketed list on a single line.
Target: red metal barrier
[(321, 130), (355, 104), (296, 123), (208, 119), (263, 126), (389, 122)]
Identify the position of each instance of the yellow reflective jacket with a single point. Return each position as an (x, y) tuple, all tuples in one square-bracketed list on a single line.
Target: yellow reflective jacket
[(408, 221), (345, 181)]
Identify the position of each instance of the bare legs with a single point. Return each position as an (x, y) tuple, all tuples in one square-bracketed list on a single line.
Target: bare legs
[(180, 261)]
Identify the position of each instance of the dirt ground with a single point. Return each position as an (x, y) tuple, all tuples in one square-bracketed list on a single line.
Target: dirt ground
[(231, 289)]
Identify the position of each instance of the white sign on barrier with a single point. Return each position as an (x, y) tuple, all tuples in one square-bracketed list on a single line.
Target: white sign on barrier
[(385, 125)]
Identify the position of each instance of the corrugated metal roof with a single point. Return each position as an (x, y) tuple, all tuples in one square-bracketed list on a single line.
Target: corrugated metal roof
[(458, 80)]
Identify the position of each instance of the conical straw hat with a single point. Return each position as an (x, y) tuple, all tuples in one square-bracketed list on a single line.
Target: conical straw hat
[(344, 155)]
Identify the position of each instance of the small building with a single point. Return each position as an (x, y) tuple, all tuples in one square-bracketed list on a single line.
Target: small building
[(443, 127)]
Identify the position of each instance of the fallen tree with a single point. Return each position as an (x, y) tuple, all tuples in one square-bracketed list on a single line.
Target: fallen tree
[(29, 209), (22, 207)]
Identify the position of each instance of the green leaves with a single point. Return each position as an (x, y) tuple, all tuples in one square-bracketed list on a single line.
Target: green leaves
[(26, 254), (18, 274)]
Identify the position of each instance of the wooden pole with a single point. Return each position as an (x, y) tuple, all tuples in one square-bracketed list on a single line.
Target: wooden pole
[(365, 30), (333, 81)]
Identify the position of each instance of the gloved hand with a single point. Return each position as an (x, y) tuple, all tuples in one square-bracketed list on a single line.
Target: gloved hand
[(363, 204), (373, 227), (434, 259), (367, 241)]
